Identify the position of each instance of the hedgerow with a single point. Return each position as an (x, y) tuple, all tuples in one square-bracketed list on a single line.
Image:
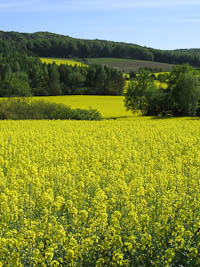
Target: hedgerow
[(21, 109)]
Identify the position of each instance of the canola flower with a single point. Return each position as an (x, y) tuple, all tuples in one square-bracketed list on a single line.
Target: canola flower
[(109, 193), (108, 106), (65, 61)]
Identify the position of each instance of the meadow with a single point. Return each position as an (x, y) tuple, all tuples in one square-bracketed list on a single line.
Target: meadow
[(127, 65), (109, 193)]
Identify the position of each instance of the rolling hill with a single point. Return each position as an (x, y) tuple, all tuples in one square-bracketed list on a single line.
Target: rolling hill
[(45, 44)]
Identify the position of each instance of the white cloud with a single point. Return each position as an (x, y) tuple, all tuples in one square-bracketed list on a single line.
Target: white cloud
[(65, 5), (120, 4)]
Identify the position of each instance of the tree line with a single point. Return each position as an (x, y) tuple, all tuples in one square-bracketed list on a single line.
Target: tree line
[(45, 44), (180, 98), (23, 75)]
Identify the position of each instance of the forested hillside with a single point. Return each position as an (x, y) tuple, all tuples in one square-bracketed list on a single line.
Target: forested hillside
[(45, 44), (23, 75)]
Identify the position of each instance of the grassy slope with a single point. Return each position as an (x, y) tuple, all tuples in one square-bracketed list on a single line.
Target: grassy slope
[(109, 106), (127, 65)]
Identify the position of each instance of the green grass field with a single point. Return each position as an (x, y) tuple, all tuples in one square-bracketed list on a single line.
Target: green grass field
[(59, 61), (108, 106), (127, 65)]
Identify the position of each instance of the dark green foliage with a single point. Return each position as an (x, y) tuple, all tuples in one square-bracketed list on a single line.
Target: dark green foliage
[(45, 44), (21, 75), (102, 80), (54, 80), (133, 75), (157, 101), (163, 77), (21, 109), (181, 98), (16, 84), (84, 114), (136, 97), (184, 87)]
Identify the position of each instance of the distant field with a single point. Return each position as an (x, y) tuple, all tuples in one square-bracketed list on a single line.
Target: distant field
[(109, 106), (159, 84), (157, 73), (127, 65), (59, 61)]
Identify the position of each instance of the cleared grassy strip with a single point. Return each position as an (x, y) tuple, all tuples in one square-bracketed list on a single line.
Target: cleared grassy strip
[(108, 106), (128, 65), (59, 61)]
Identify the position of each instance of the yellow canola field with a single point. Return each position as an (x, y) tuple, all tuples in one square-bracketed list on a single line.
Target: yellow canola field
[(109, 193), (163, 72), (65, 61), (108, 106), (159, 84)]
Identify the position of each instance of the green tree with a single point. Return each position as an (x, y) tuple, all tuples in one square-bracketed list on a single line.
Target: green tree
[(184, 86), (156, 101), (17, 85), (115, 82), (7, 72), (136, 97), (76, 80), (54, 80)]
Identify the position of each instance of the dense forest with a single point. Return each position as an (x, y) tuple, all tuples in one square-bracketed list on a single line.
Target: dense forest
[(45, 44), (23, 75)]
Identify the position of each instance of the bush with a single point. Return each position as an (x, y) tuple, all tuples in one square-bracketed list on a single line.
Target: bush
[(21, 109)]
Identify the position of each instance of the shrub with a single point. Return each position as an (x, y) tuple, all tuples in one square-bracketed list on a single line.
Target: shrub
[(21, 109)]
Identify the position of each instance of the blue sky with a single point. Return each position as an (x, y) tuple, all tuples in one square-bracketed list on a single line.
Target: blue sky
[(168, 24)]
